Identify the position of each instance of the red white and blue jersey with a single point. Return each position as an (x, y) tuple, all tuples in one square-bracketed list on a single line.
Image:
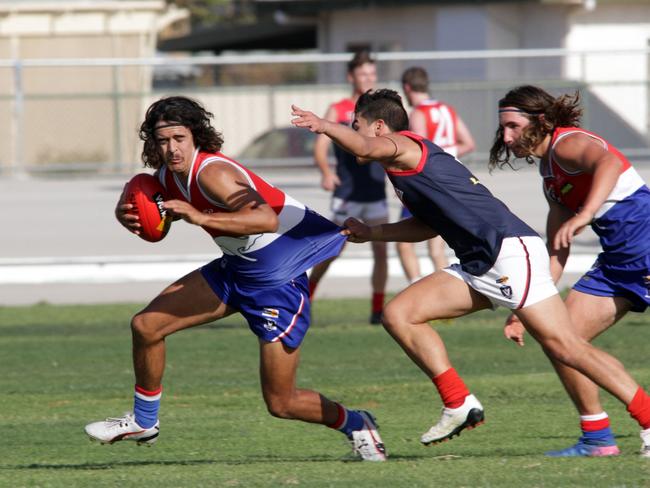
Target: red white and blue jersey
[(623, 221), (359, 183), (445, 195), (303, 239), (441, 120)]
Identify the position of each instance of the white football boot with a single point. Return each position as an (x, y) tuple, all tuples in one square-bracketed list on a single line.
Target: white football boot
[(122, 429), (366, 443), (454, 420), (645, 447)]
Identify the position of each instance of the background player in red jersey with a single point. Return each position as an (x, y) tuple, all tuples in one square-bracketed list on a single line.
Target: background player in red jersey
[(502, 261), (440, 123), (268, 240), (358, 192), (587, 181)]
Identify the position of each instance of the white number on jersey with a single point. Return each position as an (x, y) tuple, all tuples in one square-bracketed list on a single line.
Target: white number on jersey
[(445, 133)]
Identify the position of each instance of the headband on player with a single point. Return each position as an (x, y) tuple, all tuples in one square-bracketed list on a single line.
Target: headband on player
[(171, 124), (518, 110)]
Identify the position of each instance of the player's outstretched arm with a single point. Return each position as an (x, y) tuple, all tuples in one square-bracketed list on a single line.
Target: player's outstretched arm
[(407, 230), (130, 221), (366, 148)]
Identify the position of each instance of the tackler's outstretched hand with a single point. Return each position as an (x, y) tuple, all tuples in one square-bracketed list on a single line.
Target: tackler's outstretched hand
[(308, 120), (356, 230)]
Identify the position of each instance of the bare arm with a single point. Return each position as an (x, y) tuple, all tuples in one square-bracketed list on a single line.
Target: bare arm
[(579, 152), (249, 212), (407, 230), (464, 141), (393, 148), (329, 179), (557, 216), (418, 123)]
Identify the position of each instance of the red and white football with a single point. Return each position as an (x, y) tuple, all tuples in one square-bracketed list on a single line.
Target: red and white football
[(147, 195)]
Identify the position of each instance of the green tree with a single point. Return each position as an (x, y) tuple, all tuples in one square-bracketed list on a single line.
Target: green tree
[(209, 12)]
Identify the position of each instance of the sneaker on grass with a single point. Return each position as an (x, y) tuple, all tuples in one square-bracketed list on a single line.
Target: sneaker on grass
[(645, 447), (122, 429), (584, 448), (366, 442), (454, 420)]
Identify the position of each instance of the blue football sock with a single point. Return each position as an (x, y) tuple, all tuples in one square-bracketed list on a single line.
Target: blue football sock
[(348, 421), (145, 406), (598, 436)]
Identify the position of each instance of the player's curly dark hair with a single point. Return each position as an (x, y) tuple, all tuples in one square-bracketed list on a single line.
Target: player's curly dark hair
[(545, 113), (186, 112), (383, 104)]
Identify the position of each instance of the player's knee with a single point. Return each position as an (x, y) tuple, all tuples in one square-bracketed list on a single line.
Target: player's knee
[(144, 329), (563, 351), (393, 317), (278, 406)]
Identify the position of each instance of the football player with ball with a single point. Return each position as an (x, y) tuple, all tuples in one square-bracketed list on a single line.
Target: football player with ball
[(268, 241)]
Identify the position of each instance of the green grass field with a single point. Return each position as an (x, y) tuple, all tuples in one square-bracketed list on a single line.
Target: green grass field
[(65, 366)]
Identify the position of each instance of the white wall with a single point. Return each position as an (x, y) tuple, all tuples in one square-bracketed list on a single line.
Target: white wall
[(510, 25), (625, 26)]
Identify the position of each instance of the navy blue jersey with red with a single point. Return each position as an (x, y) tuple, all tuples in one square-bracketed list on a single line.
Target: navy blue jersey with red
[(359, 183), (445, 195)]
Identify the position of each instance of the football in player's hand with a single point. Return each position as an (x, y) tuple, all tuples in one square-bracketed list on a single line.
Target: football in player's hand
[(147, 195)]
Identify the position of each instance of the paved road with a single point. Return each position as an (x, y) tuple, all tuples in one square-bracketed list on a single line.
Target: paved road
[(49, 224)]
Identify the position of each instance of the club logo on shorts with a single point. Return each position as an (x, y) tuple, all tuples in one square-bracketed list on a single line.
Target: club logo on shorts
[(270, 325), (506, 290), (646, 282), (274, 313)]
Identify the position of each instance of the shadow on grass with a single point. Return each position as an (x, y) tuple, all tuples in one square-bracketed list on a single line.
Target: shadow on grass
[(253, 459), (110, 465)]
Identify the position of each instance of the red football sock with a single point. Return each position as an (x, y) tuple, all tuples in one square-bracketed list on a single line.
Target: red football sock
[(377, 302), (451, 387), (592, 423), (639, 408), (312, 288)]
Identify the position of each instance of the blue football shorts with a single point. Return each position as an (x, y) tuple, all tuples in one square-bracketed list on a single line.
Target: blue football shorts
[(630, 280), (273, 314)]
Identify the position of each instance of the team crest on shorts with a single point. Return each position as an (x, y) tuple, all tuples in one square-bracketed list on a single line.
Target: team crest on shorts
[(506, 290), (270, 325), (646, 282)]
